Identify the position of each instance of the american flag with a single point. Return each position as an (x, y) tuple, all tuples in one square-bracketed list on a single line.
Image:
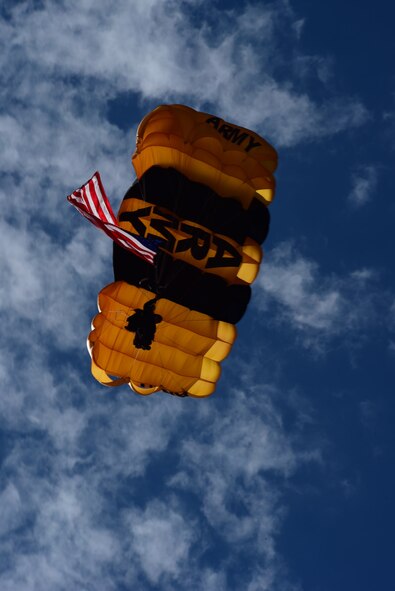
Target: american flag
[(92, 202)]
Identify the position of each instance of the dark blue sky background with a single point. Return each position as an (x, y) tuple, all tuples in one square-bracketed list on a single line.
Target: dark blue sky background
[(282, 480)]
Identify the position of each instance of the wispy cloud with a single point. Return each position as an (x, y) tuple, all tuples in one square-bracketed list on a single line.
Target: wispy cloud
[(228, 59), (251, 445), (316, 305), (161, 539), (364, 184), (109, 491)]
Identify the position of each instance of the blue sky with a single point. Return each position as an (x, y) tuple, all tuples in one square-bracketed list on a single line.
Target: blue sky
[(283, 479)]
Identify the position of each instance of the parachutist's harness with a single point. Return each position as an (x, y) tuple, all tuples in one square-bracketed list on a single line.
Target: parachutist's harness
[(143, 323)]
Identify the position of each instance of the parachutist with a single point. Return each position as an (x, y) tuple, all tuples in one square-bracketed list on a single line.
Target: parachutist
[(143, 323)]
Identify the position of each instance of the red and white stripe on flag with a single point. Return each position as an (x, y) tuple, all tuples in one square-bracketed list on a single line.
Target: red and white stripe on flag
[(92, 202)]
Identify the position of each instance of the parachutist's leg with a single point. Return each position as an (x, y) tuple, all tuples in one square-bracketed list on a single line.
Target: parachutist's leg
[(138, 339)]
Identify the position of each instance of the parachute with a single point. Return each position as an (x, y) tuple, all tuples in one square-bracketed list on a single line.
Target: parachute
[(201, 195)]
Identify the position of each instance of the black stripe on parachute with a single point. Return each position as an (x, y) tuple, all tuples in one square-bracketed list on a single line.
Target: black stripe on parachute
[(183, 284), (198, 203)]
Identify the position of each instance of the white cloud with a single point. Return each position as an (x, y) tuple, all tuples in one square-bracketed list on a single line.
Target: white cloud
[(316, 305), (10, 509), (228, 58), (64, 548), (71, 486), (45, 282), (59, 525), (364, 185), (161, 539), (230, 467)]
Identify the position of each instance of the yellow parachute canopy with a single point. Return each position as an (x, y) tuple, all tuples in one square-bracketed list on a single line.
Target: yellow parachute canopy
[(202, 190)]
